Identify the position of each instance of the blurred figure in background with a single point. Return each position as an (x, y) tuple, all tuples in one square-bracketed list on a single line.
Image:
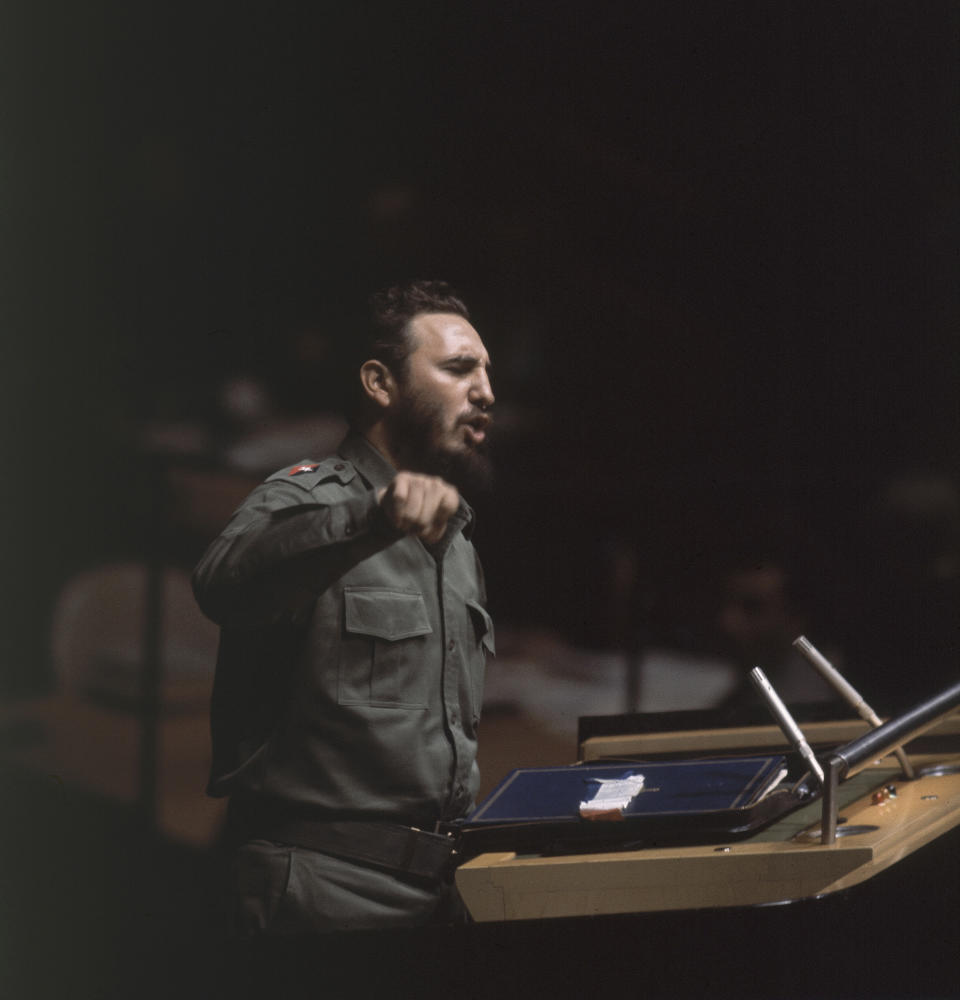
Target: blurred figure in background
[(764, 604)]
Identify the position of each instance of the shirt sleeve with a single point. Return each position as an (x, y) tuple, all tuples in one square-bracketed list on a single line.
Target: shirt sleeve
[(283, 547)]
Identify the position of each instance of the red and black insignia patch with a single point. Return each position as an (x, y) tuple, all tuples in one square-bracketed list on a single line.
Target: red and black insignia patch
[(299, 470)]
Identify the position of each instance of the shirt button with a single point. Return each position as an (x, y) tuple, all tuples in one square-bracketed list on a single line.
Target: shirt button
[(348, 530), (451, 645)]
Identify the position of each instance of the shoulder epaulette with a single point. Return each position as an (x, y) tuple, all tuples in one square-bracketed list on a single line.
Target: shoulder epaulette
[(309, 474)]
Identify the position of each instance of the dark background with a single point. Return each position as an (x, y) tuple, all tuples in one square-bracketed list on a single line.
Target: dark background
[(712, 248)]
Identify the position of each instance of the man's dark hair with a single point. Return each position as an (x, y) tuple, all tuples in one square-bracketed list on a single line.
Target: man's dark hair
[(392, 309), (385, 334)]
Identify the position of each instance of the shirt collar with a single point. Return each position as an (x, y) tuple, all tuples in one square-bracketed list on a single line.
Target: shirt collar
[(370, 463)]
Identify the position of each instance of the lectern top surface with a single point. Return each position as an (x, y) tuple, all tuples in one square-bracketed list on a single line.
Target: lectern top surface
[(530, 795)]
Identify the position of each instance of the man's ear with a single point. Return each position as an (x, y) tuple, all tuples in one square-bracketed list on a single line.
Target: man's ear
[(378, 382)]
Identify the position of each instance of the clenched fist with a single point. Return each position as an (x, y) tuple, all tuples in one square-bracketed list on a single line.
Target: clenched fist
[(419, 505)]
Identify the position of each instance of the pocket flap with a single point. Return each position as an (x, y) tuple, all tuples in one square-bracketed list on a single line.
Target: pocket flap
[(483, 624), (386, 614)]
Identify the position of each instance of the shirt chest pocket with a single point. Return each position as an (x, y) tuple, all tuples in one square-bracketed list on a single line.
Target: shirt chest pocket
[(384, 651), (481, 635), (482, 626)]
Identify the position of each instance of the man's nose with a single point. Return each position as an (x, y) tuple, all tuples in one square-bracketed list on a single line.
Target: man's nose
[(481, 392)]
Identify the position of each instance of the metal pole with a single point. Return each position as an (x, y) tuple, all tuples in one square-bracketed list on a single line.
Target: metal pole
[(151, 674), (828, 816)]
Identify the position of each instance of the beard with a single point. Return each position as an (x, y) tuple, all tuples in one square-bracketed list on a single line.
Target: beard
[(416, 437)]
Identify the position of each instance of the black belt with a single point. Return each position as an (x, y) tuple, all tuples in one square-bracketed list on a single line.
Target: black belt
[(397, 848)]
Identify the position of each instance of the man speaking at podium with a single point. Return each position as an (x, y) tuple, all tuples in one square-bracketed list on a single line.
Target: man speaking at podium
[(353, 641)]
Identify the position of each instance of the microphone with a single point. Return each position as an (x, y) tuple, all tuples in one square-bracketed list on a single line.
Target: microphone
[(848, 692), (786, 721)]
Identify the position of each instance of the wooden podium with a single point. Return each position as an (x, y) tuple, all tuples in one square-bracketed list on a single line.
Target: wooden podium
[(882, 820)]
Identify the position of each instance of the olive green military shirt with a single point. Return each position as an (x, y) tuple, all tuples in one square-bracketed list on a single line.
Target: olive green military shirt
[(350, 672)]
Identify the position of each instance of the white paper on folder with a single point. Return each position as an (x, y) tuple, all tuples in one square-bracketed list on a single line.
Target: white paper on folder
[(613, 795)]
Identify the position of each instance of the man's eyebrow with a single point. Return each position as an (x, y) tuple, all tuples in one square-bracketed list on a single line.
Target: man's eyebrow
[(457, 359)]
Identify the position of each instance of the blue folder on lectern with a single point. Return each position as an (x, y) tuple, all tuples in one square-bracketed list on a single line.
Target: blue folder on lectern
[(545, 808)]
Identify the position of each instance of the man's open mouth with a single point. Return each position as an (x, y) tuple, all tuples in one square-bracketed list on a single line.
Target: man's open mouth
[(476, 428)]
